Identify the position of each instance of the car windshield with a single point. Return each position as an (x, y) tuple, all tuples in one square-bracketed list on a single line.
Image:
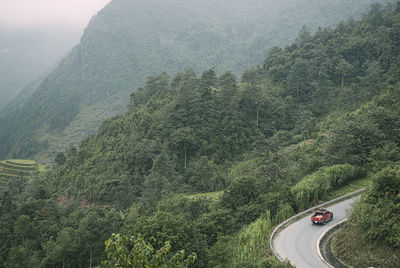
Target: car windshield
[(318, 213)]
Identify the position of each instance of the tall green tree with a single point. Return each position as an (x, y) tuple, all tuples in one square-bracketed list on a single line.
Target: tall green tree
[(184, 140), (128, 252), (343, 70), (24, 228)]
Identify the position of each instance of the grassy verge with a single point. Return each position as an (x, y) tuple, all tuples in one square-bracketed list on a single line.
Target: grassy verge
[(248, 248), (351, 187), (352, 248)]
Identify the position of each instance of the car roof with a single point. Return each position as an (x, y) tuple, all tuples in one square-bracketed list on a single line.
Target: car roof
[(322, 210)]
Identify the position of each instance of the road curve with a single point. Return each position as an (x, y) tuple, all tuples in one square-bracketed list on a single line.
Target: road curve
[(298, 241)]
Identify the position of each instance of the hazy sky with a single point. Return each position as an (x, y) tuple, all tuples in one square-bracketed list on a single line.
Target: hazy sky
[(33, 13)]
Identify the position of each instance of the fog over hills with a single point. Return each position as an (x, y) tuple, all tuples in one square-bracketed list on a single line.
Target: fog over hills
[(130, 40), (25, 54), (201, 165)]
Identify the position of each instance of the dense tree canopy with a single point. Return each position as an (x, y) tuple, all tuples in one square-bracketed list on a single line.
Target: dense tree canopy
[(130, 40), (204, 161)]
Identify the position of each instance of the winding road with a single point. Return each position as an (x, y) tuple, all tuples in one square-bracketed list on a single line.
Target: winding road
[(298, 241)]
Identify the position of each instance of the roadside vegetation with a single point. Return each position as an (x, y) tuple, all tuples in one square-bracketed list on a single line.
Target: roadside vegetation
[(212, 165), (371, 237)]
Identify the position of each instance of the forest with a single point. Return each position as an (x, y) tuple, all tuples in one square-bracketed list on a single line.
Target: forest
[(130, 40), (209, 163)]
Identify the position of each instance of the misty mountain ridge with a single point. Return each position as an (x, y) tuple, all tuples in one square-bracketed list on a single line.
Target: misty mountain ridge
[(128, 41), (209, 165), (26, 54)]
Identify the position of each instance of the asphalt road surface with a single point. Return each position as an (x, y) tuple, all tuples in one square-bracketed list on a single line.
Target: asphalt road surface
[(298, 241)]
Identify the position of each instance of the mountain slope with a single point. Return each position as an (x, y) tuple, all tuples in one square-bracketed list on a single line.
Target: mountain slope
[(129, 40), (211, 165), (182, 129)]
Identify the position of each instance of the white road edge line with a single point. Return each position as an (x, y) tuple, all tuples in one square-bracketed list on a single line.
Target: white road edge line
[(319, 241), (302, 214)]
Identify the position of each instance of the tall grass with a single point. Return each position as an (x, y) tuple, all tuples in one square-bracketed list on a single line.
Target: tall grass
[(317, 186), (252, 244)]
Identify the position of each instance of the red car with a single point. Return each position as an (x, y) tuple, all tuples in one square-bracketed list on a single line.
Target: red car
[(321, 216)]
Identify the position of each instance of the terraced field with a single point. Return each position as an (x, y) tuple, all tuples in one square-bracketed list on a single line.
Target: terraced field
[(20, 168), (12, 169)]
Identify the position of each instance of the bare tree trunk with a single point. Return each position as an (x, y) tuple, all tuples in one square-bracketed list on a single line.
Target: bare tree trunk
[(185, 156), (258, 114), (90, 260), (342, 80)]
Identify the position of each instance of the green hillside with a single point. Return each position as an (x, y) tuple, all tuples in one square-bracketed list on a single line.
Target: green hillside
[(211, 164), (17, 172), (19, 167), (130, 40)]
